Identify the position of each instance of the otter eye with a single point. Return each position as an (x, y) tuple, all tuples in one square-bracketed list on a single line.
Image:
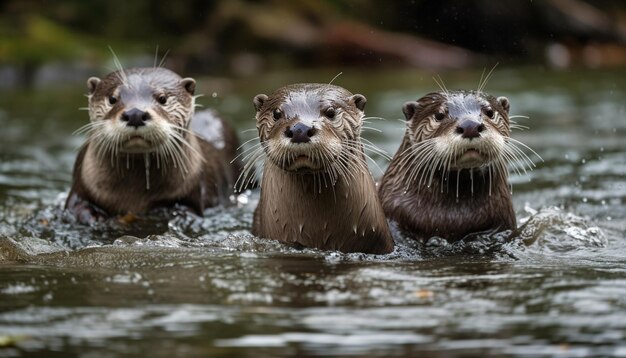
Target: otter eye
[(278, 114), (329, 113), (112, 99), (439, 116), (162, 99), (489, 112)]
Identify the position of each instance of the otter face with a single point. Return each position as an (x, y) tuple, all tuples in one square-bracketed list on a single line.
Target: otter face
[(139, 111), (309, 127), (460, 129)]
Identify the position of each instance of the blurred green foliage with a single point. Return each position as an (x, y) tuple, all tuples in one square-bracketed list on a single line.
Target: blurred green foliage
[(217, 36)]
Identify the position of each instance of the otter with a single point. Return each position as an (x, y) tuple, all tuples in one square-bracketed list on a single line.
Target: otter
[(449, 177), (316, 189), (146, 147)]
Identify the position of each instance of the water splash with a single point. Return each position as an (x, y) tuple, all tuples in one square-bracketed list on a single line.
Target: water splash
[(146, 159)]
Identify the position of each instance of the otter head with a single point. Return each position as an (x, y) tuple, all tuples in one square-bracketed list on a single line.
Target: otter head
[(140, 110), (309, 127), (458, 130)]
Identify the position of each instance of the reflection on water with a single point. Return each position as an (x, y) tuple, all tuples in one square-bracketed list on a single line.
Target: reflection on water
[(176, 284)]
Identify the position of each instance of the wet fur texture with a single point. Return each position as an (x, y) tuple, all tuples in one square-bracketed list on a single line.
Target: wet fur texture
[(329, 202), (187, 160), (431, 189)]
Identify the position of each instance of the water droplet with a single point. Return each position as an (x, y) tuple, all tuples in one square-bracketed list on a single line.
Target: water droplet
[(584, 200), (583, 161), (608, 218), (602, 149), (603, 202), (214, 94)]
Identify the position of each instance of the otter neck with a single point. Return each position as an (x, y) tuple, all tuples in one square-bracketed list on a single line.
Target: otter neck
[(467, 183), (318, 183), (346, 216)]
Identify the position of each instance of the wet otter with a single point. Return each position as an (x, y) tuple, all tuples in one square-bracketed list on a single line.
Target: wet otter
[(146, 148), (316, 189), (449, 177)]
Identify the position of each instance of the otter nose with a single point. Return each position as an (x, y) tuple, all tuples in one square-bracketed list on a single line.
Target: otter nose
[(135, 117), (470, 129), (300, 133)]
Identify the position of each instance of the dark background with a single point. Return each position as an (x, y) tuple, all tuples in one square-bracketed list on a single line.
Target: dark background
[(52, 41)]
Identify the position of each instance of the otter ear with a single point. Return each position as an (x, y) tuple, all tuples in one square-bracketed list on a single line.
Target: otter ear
[(92, 84), (359, 101), (409, 109), (258, 101), (504, 102), (189, 84)]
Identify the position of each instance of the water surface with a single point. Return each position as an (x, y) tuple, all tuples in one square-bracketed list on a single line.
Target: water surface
[(180, 285)]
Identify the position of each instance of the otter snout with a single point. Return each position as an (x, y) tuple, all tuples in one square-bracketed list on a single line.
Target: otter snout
[(470, 128), (135, 117), (300, 133)]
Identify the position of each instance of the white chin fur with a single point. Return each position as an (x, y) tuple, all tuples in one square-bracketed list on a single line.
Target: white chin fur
[(137, 145), (467, 153), (303, 163), (141, 139)]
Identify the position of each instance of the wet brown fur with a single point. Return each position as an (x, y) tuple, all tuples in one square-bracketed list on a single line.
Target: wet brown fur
[(105, 186), (305, 208), (424, 211)]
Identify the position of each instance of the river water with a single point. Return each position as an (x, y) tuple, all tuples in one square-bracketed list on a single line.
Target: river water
[(176, 285)]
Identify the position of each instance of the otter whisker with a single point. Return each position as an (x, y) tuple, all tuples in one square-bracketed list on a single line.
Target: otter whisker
[(490, 169), (359, 147), (146, 159), (171, 152), (176, 146), (436, 164), (371, 146), (419, 169), (515, 141), (358, 158), (482, 83), (156, 55), (249, 153), (445, 173), (512, 159), (415, 164), (371, 129), (248, 141), (245, 154), (409, 156), (372, 117), (520, 156), (458, 175), (248, 169), (177, 155), (186, 143), (248, 172), (121, 74), (439, 81), (342, 164), (518, 126), (89, 128), (163, 58)]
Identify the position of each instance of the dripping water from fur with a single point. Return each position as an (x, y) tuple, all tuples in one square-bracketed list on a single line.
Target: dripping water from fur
[(146, 158)]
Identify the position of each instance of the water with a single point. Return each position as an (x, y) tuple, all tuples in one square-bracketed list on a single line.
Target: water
[(176, 285)]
